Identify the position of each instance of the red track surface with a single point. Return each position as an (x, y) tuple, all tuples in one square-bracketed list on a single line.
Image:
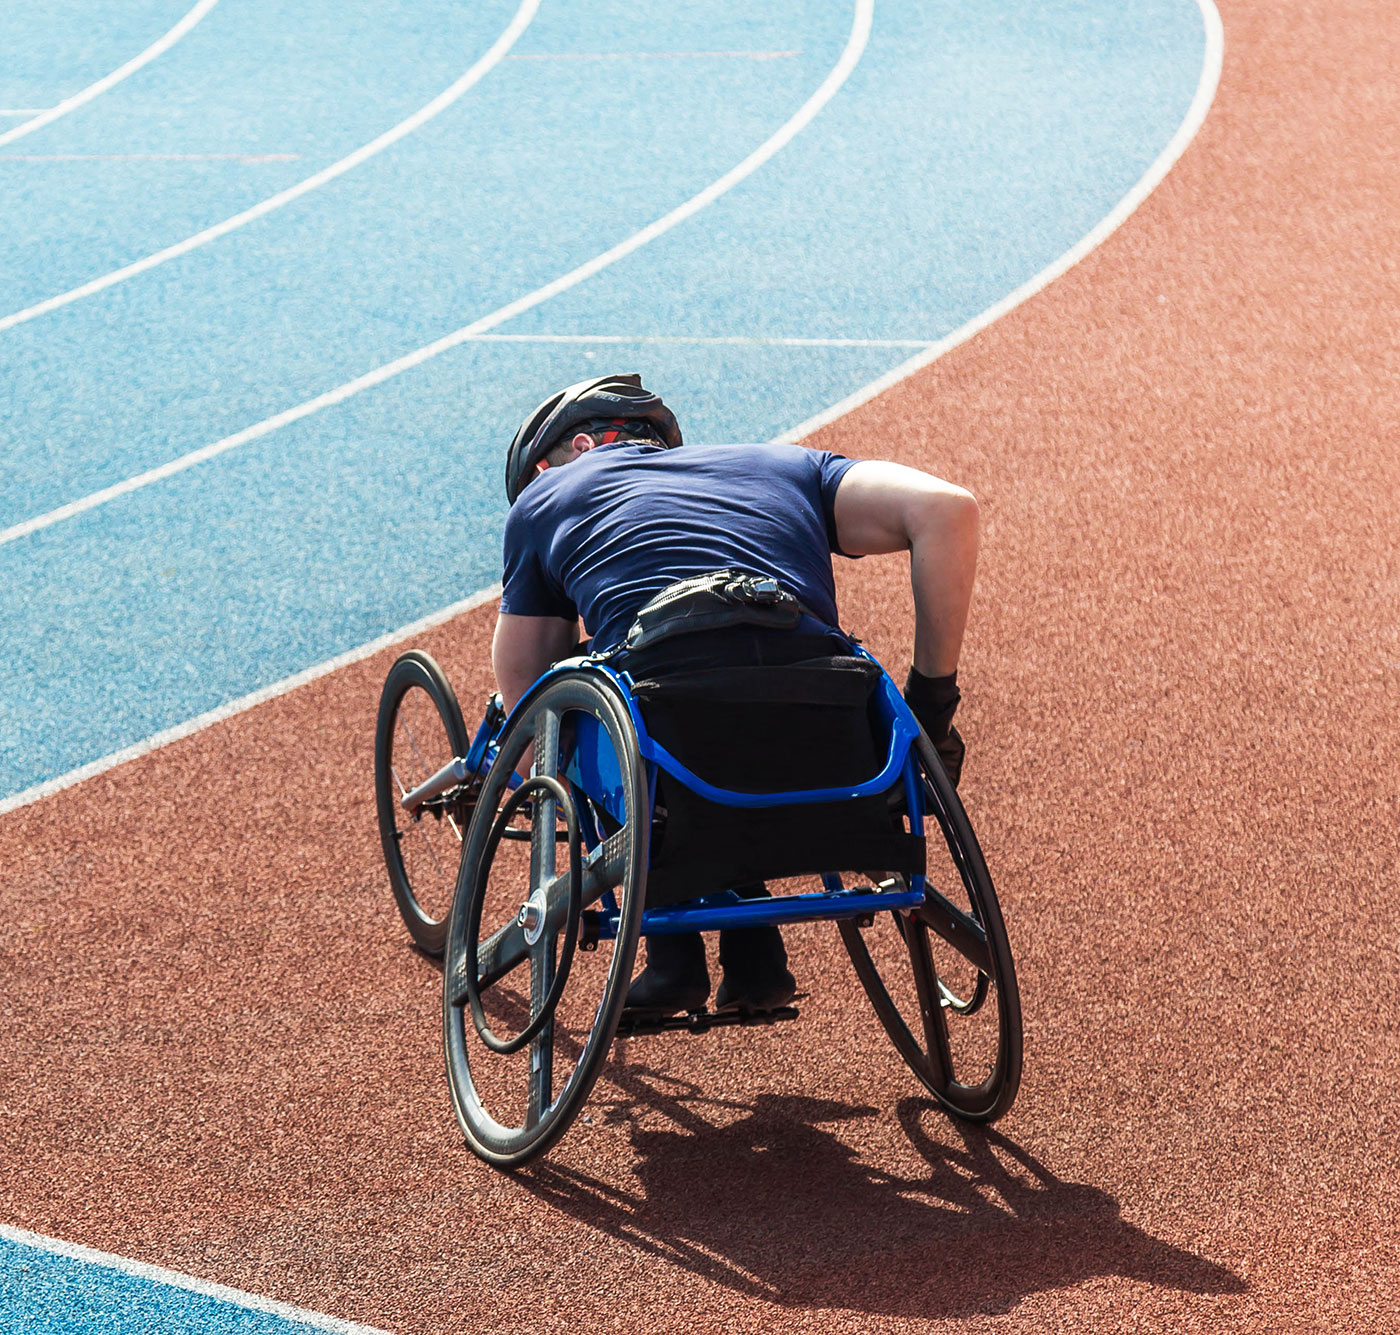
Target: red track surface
[(1182, 686)]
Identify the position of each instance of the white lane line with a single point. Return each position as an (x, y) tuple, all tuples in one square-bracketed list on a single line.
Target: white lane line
[(855, 46), (729, 340), (246, 702), (441, 102), (175, 1280), (156, 48), (1195, 116), (654, 55), (149, 157)]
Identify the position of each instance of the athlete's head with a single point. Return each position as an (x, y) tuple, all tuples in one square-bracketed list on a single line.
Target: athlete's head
[(593, 412)]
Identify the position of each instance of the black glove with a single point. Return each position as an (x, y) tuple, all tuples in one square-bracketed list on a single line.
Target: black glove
[(951, 751), (933, 700)]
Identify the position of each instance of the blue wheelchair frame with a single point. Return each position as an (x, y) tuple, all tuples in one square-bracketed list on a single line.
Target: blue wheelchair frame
[(591, 770), (601, 774)]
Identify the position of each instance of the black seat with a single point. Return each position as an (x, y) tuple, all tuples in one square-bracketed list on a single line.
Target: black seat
[(768, 727)]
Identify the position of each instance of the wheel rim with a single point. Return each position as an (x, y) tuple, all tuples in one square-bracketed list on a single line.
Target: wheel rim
[(511, 1106), (420, 729), (430, 844), (941, 978)]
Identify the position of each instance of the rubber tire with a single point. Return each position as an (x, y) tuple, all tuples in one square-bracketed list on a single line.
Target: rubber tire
[(509, 1147), (414, 669), (990, 1098)]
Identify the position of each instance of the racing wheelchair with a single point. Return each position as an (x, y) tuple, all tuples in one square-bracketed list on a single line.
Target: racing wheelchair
[(615, 802)]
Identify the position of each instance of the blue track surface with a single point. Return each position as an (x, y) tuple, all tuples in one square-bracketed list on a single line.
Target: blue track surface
[(970, 147), (42, 1293), (54, 50)]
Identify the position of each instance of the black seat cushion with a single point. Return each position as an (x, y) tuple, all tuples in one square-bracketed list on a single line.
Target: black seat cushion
[(768, 729)]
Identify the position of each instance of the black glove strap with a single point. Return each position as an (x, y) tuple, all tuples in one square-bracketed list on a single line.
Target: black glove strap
[(933, 701)]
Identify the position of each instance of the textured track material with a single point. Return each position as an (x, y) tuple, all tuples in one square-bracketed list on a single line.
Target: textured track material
[(1181, 689)]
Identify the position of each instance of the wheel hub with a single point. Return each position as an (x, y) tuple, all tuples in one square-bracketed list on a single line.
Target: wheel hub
[(532, 915)]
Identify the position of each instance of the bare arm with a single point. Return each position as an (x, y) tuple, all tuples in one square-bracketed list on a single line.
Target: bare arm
[(885, 507), (524, 647)]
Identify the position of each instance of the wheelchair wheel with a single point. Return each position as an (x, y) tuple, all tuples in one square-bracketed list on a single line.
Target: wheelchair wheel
[(940, 976), (550, 892), (419, 730)]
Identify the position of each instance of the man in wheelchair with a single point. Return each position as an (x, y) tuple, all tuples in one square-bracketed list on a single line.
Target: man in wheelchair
[(680, 561)]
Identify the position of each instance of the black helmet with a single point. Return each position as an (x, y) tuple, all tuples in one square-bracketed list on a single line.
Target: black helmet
[(608, 398)]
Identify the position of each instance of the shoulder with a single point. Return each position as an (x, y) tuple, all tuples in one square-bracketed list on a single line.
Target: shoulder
[(529, 517), (803, 465), (764, 469), (768, 457)]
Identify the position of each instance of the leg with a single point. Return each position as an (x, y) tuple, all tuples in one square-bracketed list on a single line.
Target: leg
[(754, 960), (675, 978)]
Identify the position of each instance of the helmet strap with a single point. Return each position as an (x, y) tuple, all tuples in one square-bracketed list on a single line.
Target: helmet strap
[(613, 432)]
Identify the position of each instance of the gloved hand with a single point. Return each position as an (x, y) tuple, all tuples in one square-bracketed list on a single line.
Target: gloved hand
[(951, 751), (933, 700)]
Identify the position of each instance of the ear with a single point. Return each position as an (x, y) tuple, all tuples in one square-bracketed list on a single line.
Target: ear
[(581, 443)]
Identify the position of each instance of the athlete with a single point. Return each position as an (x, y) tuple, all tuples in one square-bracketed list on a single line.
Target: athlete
[(607, 511)]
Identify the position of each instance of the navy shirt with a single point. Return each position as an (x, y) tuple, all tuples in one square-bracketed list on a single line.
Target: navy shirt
[(601, 536)]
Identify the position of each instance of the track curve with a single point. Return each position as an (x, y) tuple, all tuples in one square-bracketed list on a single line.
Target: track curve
[(1180, 689), (124, 71)]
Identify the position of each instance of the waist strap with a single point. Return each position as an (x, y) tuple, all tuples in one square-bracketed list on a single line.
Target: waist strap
[(727, 597)]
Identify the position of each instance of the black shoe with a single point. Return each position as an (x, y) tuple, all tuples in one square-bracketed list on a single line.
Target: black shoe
[(756, 976), (675, 979)]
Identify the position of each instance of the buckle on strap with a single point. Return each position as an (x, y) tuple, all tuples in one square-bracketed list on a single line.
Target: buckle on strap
[(756, 591)]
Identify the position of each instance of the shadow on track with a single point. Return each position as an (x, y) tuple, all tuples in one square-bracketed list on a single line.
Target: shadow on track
[(768, 1198)]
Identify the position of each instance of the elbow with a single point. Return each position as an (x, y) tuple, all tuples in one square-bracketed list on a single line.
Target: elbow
[(966, 511), (949, 514)]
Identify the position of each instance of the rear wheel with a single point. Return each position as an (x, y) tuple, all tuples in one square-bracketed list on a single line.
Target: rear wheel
[(419, 730), (940, 975), (565, 847)]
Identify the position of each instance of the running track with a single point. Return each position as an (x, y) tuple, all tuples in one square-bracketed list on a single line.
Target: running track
[(1181, 708), (333, 379)]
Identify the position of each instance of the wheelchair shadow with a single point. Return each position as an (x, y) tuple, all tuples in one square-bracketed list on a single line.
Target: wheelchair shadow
[(766, 1199)]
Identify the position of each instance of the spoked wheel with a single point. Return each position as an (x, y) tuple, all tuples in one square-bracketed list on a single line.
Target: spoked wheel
[(420, 729), (531, 994), (940, 976)]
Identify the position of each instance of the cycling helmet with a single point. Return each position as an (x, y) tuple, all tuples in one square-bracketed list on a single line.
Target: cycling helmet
[(609, 398)]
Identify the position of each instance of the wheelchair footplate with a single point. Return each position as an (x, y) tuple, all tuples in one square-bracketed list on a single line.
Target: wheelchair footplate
[(636, 1024)]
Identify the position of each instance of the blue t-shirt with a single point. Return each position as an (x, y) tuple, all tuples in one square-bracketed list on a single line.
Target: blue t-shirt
[(601, 536)]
